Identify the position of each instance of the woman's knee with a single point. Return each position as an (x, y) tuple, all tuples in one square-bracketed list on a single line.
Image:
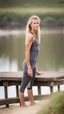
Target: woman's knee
[(22, 89)]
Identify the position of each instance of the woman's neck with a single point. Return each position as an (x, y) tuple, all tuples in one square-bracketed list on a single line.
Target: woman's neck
[(34, 32)]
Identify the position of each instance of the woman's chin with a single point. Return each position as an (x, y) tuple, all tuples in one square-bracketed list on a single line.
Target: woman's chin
[(36, 29)]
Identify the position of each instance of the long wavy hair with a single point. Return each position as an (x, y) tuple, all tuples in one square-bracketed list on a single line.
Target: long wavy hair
[(28, 27)]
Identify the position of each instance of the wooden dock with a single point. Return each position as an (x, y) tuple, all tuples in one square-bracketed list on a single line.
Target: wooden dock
[(49, 79)]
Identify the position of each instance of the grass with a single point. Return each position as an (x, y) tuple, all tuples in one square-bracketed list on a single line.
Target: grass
[(55, 106), (23, 11)]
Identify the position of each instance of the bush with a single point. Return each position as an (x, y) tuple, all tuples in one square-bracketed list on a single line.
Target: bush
[(13, 19), (49, 20), (55, 106)]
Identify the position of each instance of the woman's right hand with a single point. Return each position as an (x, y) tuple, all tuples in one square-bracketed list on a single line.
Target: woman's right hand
[(30, 72)]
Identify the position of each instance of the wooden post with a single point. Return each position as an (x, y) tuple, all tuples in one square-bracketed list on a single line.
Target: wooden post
[(17, 91), (51, 89), (6, 94), (39, 90), (58, 87)]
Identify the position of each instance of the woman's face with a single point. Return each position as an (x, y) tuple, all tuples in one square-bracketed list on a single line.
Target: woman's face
[(35, 24)]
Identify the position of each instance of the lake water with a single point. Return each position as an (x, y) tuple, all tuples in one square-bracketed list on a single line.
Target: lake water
[(51, 56)]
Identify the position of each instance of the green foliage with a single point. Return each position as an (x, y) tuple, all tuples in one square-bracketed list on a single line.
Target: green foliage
[(16, 16), (15, 19), (49, 20), (61, 21), (8, 18), (55, 106), (29, 3)]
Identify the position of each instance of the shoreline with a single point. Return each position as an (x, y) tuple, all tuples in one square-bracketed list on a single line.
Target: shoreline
[(16, 32)]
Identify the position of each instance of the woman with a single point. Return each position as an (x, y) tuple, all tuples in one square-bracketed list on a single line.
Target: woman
[(31, 55)]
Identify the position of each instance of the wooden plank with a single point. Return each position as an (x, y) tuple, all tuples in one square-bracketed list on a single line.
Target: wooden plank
[(39, 90), (1, 83), (11, 76), (14, 78), (58, 87), (16, 100), (17, 91), (6, 94), (37, 83), (51, 89), (13, 82), (47, 76), (49, 83)]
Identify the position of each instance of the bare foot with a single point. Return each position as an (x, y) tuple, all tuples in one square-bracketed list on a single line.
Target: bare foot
[(23, 105), (33, 103)]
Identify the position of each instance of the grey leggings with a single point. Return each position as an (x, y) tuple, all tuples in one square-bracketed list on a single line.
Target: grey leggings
[(27, 81)]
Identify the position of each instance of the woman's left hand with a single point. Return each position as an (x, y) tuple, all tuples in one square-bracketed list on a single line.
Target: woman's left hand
[(39, 73)]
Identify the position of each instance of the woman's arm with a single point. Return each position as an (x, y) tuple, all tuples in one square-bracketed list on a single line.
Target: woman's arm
[(37, 72), (29, 42), (36, 67)]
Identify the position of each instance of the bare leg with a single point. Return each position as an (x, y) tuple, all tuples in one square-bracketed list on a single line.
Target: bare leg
[(22, 102), (30, 95)]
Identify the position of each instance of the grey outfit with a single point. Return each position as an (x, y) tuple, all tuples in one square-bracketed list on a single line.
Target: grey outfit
[(28, 80)]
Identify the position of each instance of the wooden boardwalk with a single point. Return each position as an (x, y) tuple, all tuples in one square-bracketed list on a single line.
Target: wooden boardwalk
[(16, 109), (49, 79)]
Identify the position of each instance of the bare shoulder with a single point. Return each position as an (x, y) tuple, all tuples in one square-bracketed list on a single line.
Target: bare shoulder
[(30, 37)]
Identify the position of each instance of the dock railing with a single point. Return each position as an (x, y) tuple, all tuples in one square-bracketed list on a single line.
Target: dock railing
[(49, 79)]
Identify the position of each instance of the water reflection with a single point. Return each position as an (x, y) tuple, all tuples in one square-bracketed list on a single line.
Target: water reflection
[(51, 56)]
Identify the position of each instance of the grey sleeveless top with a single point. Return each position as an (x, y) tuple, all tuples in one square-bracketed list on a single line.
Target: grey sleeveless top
[(34, 49), (33, 53)]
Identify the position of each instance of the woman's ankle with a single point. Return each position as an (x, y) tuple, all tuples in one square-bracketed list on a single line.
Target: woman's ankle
[(23, 105)]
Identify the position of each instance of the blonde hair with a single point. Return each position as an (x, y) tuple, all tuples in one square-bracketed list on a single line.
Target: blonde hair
[(28, 27)]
